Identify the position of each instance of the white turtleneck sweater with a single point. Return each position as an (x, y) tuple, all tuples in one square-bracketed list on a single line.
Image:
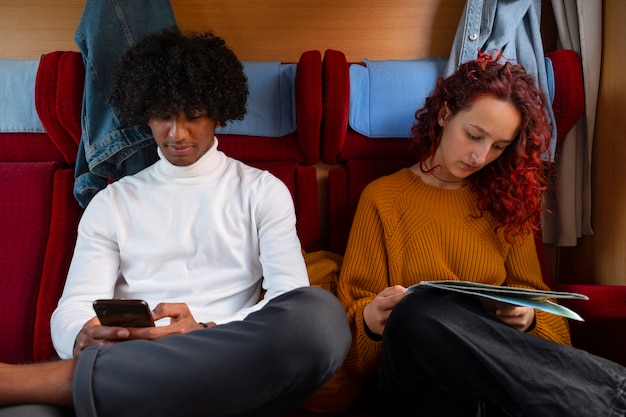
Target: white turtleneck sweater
[(208, 235)]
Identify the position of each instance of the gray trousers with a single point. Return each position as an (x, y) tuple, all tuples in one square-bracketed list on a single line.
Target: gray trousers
[(265, 365)]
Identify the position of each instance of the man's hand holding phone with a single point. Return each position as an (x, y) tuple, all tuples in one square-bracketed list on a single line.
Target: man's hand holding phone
[(94, 334), (120, 319)]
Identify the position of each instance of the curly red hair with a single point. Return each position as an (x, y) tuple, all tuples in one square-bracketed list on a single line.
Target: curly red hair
[(512, 186)]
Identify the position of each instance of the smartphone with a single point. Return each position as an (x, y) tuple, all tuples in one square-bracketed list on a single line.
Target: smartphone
[(123, 313)]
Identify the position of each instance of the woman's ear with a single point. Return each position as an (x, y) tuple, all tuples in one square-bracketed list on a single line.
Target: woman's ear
[(444, 113)]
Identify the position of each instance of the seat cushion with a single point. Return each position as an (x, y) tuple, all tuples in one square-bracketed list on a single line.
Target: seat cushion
[(26, 189)]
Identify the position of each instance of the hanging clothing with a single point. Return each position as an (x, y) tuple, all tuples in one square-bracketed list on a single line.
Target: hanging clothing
[(107, 29), (579, 26)]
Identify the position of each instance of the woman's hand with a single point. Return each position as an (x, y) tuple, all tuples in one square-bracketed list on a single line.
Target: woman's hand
[(376, 313), (522, 318), (181, 321)]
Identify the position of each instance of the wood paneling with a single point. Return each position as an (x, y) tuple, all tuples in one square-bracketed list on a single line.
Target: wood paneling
[(282, 29), (30, 28), (260, 29)]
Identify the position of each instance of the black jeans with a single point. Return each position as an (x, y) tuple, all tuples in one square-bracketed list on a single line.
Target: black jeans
[(442, 355)]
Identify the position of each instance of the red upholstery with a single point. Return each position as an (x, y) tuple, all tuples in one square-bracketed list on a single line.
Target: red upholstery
[(604, 330), (302, 182), (340, 142), (69, 98), (38, 229), (34, 147), (46, 97), (362, 159), (302, 146), (39, 216), (285, 156), (344, 189), (25, 207), (569, 102), (64, 215)]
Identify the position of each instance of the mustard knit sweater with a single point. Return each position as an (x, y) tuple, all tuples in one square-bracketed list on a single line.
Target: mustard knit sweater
[(406, 231)]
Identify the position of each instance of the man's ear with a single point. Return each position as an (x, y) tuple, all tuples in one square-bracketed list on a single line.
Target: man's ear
[(444, 113)]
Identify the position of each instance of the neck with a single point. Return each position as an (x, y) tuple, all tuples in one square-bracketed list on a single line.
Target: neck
[(447, 181), (429, 176)]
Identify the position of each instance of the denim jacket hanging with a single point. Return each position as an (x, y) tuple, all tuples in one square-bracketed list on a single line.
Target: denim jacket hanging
[(107, 29)]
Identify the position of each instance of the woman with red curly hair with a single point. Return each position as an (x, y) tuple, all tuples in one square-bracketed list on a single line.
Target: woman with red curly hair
[(467, 210)]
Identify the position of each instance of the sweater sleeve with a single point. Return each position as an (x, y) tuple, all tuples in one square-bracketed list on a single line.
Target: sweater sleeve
[(279, 247), (93, 274), (523, 270), (364, 273)]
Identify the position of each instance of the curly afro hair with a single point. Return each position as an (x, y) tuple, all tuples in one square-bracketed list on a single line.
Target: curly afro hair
[(171, 72)]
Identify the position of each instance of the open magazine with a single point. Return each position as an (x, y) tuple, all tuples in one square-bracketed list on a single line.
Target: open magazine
[(537, 299)]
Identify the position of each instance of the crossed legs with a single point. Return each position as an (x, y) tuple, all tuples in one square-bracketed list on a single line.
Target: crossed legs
[(264, 365)]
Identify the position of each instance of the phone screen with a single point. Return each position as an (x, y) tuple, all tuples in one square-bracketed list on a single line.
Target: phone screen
[(123, 313)]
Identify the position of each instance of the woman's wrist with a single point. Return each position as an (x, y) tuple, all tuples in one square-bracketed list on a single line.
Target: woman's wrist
[(375, 337)]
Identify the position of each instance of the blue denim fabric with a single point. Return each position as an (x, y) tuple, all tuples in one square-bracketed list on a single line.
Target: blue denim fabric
[(107, 29), (509, 26)]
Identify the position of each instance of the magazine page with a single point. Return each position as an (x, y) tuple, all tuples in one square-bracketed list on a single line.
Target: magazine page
[(518, 296)]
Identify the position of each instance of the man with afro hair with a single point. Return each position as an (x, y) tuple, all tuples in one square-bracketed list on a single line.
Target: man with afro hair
[(199, 236)]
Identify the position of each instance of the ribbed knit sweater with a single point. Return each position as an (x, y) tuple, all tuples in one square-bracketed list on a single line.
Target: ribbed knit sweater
[(406, 231)]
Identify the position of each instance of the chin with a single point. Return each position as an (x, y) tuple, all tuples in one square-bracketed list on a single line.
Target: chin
[(181, 162)]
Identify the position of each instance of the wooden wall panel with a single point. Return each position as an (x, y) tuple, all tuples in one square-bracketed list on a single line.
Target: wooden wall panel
[(282, 29), (30, 28), (260, 29)]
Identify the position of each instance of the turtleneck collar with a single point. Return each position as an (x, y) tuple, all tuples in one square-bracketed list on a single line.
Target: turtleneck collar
[(210, 163)]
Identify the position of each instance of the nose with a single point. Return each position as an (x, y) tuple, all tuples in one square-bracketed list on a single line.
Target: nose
[(178, 129), (479, 154)]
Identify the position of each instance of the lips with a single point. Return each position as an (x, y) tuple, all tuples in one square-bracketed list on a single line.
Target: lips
[(179, 149), (469, 167)]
